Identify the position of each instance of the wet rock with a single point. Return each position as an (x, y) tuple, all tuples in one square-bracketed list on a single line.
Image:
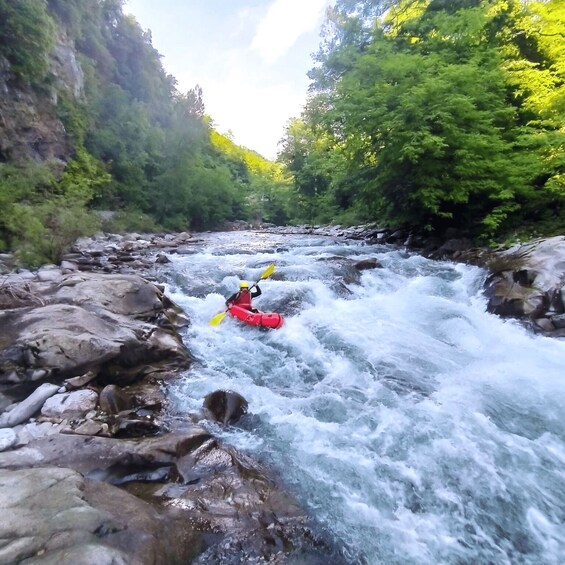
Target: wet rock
[(147, 396), (452, 248), (225, 406), (367, 264), (559, 321), (544, 324), (113, 400), (161, 259), (526, 282), (126, 428)]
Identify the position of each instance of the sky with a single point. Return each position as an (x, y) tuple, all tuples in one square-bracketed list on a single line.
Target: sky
[(250, 57)]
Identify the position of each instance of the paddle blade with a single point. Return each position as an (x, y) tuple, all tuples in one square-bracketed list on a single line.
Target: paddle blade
[(217, 319), (268, 271)]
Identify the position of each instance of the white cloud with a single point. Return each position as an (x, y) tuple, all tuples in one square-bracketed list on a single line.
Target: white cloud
[(286, 21), (255, 112), (243, 90)]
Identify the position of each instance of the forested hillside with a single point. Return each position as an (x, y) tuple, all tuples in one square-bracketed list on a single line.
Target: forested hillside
[(436, 114), (89, 120), (429, 114)]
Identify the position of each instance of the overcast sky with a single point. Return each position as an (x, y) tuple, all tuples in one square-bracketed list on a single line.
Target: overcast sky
[(249, 56)]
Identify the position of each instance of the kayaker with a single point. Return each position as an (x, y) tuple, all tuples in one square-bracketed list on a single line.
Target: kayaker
[(244, 295)]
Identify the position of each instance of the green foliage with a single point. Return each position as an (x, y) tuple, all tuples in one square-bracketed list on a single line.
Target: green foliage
[(40, 218), (26, 37), (84, 179), (43, 233), (436, 114), (140, 148), (263, 185), (130, 220)]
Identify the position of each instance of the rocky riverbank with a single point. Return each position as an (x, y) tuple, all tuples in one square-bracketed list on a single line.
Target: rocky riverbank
[(93, 467)]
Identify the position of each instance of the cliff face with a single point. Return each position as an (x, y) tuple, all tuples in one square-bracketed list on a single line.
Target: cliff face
[(29, 125)]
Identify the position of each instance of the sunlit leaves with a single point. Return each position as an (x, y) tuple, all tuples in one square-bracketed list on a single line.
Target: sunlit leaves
[(446, 112)]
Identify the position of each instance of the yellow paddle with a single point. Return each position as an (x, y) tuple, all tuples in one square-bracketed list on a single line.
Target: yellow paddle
[(218, 318)]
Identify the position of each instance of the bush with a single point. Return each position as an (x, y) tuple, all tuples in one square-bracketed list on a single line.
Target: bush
[(130, 221)]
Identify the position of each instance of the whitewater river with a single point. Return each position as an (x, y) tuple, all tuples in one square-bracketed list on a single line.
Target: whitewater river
[(414, 427)]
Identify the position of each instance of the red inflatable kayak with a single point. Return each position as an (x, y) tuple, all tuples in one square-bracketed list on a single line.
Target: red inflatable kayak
[(259, 319)]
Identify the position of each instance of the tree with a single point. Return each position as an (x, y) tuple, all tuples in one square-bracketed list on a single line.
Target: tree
[(438, 113), (26, 37)]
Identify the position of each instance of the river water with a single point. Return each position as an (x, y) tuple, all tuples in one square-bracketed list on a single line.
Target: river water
[(414, 426)]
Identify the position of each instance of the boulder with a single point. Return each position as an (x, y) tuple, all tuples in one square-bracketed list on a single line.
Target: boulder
[(225, 406), (113, 400), (28, 407), (58, 517), (526, 282), (121, 294), (70, 404), (60, 341), (8, 438), (366, 264)]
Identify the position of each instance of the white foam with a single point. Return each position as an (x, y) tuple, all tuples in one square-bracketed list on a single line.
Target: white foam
[(419, 427)]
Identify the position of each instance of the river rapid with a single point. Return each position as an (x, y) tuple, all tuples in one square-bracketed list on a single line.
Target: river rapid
[(415, 427)]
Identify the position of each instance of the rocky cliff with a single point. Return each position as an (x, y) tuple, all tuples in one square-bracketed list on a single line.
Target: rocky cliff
[(30, 127)]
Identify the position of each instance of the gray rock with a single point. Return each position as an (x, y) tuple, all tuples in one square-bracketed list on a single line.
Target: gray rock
[(57, 517), (28, 407), (89, 428), (70, 404), (68, 266), (66, 341), (80, 381), (526, 282), (35, 430), (121, 294), (545, 324), (49, 274), (559, 321), (226, 406), (114, 400), (8, 438)]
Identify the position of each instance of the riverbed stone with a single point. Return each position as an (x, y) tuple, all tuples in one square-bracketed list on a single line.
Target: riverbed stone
[(59, 517), (225, 406), (28, 407), (114, 399), (367, 264), (70, 404), (8, 438), (62, 341), (526, 282), (31, 431), (120, 294)]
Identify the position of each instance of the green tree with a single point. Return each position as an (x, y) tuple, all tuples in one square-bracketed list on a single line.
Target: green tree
[(26, 37), (439, 113)]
